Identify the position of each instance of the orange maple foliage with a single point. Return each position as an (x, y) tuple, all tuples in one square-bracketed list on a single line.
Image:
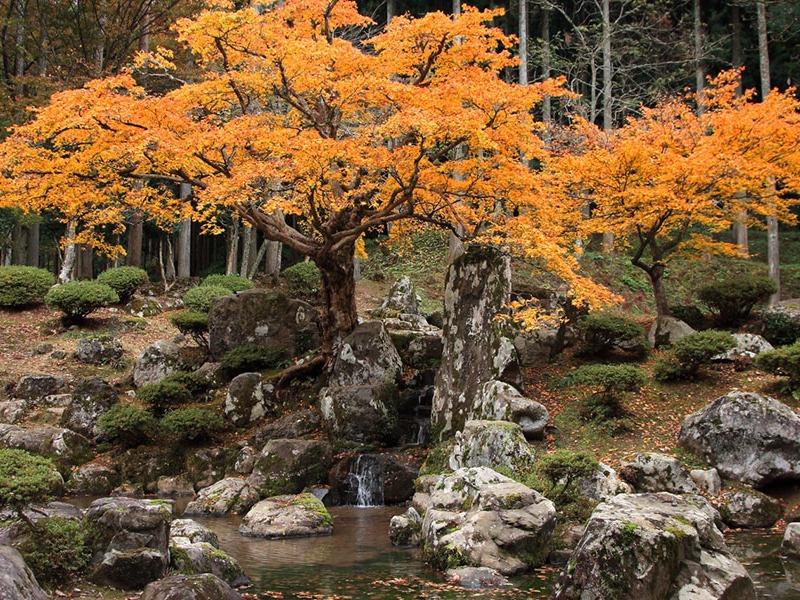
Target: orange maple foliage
[(667, 181), (296, 115)]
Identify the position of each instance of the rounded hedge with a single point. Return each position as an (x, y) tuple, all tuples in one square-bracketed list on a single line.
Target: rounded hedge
[(193, 324), (24, 286), (76, 299), (26, 478), (733, 298), (192, 424), (233, 283), (57, 550), (199, 299), (303, 279), (163, 394), (124, 280), (128, 424)]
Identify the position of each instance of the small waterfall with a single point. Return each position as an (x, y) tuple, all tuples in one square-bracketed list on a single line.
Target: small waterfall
[(366, 480)]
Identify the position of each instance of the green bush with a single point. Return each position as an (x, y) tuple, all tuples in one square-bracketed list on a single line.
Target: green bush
[(193, 324), (127, 424), (24, 286), (124, 280), (557, 473), (688, 354), (26, 478), (784, 362), (192, 424), (57, 550), (233, 283), (689, 314), (252, 357), (609, 382), (734, 298), (303, 279), (199, 299), (779, 328), (191, 381), (162, 395), (604, 332), (76, 299)]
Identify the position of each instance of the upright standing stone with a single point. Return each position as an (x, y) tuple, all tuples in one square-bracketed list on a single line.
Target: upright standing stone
[(478, 287)]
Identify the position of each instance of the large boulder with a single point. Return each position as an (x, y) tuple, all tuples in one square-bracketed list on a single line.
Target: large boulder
[(747, 437), (64, 446), (248, 399), (192, 557), (665, 331), (499, 401), (205, 586), (17, 582), (478, 288), (653, 547), (477, 517), (601, 485), (749, 509), (367, 356), (491, 444), (130, 541), (192, 531), (262, 317), (230, 495), (401, 298), (790, 545), (37, 387), (158, 360), (653, 472), (93, 479), (294, 425), (748, 346), (299, 515), (13, 411), (99, 350), (359, 414), (289, 466), (91, 399)]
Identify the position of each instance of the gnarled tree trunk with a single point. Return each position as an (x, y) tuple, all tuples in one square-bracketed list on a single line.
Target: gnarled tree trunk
[(338, 295)]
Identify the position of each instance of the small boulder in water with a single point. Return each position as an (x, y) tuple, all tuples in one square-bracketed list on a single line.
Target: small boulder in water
[(287, 516)]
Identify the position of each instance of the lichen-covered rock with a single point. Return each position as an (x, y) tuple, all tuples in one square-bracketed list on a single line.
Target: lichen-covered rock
[(99, 350), (708, 480), (361, 414), (299, 515), (749, 509), (477, 289), (498, 401), (491, 444), (17, 582), (475, 577), (536, 348), (262, 317), (174, 485), (477, 517), (191, 558), (602, 484), (64, 446), (145, 465), (747, 437), (93, 479), (665, 331), (401, 297), (36, 387), (248, 400), (192, 531), (289, 466), (748, 346), (405, 530), (205, 586), (653, 472), (366, 357), (156, 362), (653, 547), (130, 541), (91, 399), (294, 425), (230, 495), (790, 546), (13, 411)]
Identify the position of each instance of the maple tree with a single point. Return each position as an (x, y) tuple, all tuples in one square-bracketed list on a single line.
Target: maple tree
[(667, 181), (295, 115)]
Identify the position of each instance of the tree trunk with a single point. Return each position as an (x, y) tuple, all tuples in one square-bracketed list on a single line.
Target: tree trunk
[(85, 262), (18, 245), (70, 250), (608, 114), (547, 103), (233, 248), (338, 295), (185, 239), (33, 245), (699, 68), (740, 233), (656, 275), (273, 268), (523, 42), (773, 246), (135, 230), (390, 10)]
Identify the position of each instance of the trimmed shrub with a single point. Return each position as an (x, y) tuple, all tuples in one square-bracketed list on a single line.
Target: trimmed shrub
[(784, 362), (252, 357), (191, 381), (26, 478), (610, 383), (57, 550), (193, 324), (304, 280), (76, 299), (734, 298), (557, 474), (233, 283), (159, 396), (604, 332), (688, 354), (127, 424), (124, 280), (192, 424), (779, 327), (24, 286), (689, 314), (199, 299)]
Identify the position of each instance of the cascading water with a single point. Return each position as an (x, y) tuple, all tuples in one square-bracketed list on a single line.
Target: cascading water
[(366, 480)]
